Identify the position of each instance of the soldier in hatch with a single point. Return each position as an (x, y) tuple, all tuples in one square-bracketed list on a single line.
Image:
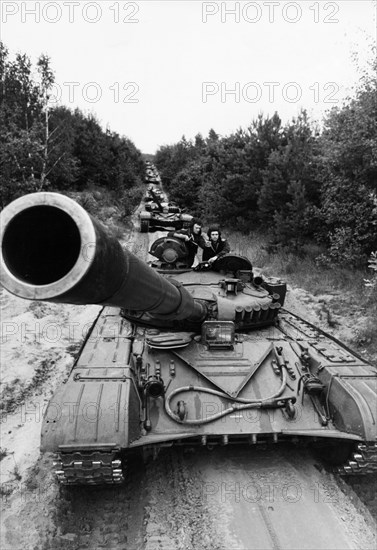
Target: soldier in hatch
[(193, 238), (216, 247)]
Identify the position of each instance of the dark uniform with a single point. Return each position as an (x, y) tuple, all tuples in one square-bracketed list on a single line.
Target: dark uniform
[(215, 248)]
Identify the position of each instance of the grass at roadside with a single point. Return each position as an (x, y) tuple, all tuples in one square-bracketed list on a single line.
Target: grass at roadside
[(345, 287)]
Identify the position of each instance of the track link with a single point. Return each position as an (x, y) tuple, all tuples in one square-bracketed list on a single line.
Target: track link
[(89, 468), (362, 462)]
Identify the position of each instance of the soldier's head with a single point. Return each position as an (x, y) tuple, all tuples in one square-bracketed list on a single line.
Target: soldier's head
[(214, 234), (196, 226)]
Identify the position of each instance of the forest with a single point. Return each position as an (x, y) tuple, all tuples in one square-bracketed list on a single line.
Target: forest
[(298, 182), (52, 148)]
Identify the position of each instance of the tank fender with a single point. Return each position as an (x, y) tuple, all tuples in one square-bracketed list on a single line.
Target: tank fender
[(351, 400), (95, 407)]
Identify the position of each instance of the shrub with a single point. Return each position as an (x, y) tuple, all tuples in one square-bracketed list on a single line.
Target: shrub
[(130, 200)]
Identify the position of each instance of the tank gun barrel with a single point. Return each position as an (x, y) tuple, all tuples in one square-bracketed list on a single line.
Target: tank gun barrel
[(53, 250)]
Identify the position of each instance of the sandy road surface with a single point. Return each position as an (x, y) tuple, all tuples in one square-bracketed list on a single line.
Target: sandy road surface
[(230, 498), (225, 499)]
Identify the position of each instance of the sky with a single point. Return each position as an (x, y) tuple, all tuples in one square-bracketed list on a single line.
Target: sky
[(156, 70)]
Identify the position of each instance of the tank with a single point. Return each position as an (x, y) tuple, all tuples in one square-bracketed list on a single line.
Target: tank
[(180, 356), (154, 199), (152, 175), (159, 214)]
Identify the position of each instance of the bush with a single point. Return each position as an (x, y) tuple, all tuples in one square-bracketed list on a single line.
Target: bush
[(130, 200), (88, 202), (343, 250)]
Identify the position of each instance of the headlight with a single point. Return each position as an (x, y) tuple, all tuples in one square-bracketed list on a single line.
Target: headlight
[(218, 334)]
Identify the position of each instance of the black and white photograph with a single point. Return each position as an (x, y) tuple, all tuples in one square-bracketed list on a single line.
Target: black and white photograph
[(188, 275)]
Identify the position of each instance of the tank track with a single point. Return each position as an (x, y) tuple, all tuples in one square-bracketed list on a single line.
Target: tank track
[(89, 468), (362, 462)]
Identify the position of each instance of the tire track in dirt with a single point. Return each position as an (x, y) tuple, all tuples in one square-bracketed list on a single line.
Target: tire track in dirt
[(247, 498), (99, 517), (228, 499)]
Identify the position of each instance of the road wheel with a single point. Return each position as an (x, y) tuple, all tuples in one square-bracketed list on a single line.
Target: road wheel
[(144, 226)]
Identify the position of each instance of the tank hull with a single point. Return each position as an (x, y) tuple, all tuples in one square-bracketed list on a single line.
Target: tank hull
[(102, 406)]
